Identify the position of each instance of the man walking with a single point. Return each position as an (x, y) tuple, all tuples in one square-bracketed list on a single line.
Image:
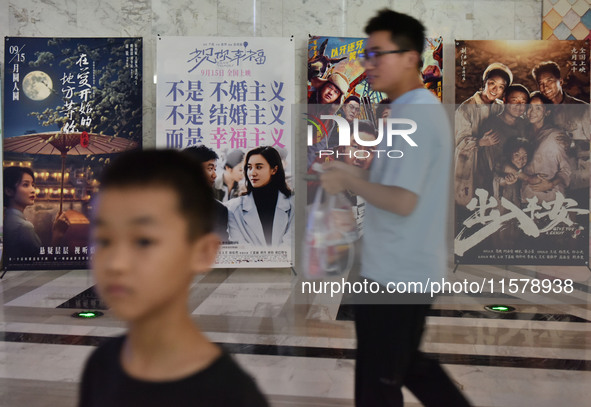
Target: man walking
[(405, 224)]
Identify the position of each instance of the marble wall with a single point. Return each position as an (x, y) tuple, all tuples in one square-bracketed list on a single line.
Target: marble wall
[(453, 19)]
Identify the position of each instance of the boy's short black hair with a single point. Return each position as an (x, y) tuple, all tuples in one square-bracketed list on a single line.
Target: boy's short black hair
[(12, 176), (201, 153), (550, 67), (170, 169), (405, 31)]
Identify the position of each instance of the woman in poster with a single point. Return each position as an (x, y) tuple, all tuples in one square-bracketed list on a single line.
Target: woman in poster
[(263, 216), (468, 118), (21, 240), (549, 170)]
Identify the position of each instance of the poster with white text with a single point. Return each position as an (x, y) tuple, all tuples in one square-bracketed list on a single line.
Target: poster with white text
[(70, 106), (338, 85), (522, 127)]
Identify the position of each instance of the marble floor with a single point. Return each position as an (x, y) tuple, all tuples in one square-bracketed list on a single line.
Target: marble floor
[(300, 348)]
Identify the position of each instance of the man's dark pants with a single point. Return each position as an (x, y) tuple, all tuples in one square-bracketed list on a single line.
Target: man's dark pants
[(388, 338)]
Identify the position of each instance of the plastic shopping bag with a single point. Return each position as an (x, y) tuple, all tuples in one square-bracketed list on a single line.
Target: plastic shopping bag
[(331, 232)]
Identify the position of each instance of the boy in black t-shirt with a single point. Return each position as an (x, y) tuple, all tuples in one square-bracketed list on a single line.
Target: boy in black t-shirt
[(152, 232)]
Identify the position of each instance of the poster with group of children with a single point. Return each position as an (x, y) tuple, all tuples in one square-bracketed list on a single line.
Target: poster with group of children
[(522, 170)]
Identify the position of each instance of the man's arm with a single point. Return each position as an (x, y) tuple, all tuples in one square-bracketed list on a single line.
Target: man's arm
[(340, 177)]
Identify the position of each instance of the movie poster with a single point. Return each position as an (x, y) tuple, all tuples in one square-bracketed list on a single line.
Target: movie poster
[(233, 97), (337, 85), (70, 106), (432, 70), (522, 128)]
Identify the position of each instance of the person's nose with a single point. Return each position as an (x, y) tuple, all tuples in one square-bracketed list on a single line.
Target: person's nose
[(117, 259), (367, 62)]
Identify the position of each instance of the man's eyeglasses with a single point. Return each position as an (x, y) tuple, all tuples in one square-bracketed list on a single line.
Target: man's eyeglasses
[(372, 56)]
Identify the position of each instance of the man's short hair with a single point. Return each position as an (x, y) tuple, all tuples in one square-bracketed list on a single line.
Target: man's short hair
[(405, 31), (12, 177), (352, 98), (517, 87), (201, 153), (550, 67), (169, 169), (234, 158)]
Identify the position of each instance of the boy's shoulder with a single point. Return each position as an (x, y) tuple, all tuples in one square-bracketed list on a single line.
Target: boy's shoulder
[(220, 384), (106, 355)]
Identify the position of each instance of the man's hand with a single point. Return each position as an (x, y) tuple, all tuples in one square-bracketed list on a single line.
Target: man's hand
[(543, 185), (490, 138), (337, 175)]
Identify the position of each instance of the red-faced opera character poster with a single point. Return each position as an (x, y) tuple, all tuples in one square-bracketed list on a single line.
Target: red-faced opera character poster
[(70, 106), (521, 172), (337, 85), (231, 98)]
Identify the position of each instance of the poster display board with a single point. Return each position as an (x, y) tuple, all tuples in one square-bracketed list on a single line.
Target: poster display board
[(70, 106), (522, 152), (335, 62), (233, 96)]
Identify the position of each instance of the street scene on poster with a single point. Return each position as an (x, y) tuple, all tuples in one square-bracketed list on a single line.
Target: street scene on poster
[(227, 101), (522, 128), (70, 106), (337, 85)]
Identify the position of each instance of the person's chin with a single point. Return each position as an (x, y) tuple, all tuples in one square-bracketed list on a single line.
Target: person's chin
[(375, 85)]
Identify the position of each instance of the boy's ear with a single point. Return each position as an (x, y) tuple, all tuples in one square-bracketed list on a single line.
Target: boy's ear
[(205, 250)]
